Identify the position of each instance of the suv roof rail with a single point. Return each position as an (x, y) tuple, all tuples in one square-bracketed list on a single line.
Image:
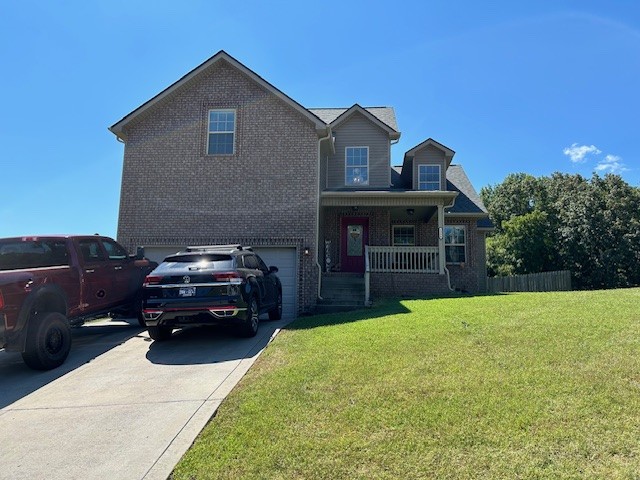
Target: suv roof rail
[(205, 248)]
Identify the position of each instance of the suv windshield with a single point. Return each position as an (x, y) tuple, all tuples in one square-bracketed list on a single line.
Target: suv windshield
[(219, 261), (17, 254)]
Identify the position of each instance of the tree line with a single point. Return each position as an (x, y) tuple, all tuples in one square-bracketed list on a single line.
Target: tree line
[(566, 222)]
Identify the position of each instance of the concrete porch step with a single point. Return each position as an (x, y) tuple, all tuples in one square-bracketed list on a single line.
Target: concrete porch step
[(341, 292)]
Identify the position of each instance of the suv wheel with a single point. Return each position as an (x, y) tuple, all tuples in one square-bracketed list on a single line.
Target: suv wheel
[(159, 333), (48, 341), (276, 313), (249, 327)]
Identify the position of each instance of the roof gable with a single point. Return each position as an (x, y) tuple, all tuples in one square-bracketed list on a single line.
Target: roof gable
[(117, 128), (383, 117), (431, 142)]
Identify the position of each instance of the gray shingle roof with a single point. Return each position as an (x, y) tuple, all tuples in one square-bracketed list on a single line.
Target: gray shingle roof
[(385, 114), (468, 201)]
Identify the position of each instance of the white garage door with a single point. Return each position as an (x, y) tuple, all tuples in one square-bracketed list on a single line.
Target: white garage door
[(158, 254), (282, 257), (285, 259)]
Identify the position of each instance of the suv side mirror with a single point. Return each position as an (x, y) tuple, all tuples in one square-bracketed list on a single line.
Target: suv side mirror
[(273, 269), (140, 253)]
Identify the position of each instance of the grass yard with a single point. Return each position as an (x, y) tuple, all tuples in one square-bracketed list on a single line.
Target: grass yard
[(529, 385)]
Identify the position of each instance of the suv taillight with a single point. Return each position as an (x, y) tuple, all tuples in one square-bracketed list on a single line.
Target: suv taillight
[(1, 301), (152, 280), (226, 276)]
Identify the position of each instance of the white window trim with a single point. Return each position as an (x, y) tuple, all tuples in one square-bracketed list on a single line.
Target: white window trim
[(393, 235), (209, 132), (439, 174), (464, 227), (346, 166)]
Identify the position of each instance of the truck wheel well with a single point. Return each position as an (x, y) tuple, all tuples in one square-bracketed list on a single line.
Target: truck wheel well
[(50, 302)]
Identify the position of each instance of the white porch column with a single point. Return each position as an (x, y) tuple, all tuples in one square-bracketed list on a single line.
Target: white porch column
[(441, 253)]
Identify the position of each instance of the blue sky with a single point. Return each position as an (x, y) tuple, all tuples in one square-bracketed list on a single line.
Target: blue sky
[(532, 87)]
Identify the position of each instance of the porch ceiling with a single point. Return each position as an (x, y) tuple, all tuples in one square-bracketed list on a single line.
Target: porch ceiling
[(385, 198)]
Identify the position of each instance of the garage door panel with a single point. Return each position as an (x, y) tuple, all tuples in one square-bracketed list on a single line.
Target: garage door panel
[(285, 260), (158, 254)]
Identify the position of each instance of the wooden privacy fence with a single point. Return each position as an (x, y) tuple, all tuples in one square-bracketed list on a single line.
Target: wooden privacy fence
[(532, 282)]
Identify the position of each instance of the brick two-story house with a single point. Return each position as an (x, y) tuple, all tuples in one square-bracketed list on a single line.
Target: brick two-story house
[(223, 156)]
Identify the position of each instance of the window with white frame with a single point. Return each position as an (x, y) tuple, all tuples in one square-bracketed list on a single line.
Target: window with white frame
[(222, 129), (428, 177), (404, 236), (455, 243), (356, 166)]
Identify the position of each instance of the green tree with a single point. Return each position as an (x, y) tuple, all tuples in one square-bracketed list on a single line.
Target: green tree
[(517, 195), (590, 227)]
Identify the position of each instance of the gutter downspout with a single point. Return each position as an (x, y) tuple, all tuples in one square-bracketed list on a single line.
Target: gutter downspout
[(320, 140), (453, 201)]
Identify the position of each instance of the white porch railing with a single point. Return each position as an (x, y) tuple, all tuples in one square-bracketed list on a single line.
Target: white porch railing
[(403, 259)]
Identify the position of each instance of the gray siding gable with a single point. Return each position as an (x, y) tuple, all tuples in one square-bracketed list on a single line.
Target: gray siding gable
[(358, 131)]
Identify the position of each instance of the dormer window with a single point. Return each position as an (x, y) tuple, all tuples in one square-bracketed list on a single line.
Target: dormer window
[(356, 166), (429, 177), (222, 129)]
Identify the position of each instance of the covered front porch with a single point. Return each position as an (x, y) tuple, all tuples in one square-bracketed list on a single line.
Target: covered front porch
[(391, 238)]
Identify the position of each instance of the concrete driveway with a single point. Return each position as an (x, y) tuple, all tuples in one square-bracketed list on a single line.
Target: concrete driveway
[(122, 406)]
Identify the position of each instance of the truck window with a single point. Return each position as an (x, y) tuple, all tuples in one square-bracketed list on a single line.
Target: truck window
[(114, 251), (17, 254), (91, 251)]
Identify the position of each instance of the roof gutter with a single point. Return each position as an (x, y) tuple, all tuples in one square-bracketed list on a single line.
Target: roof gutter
[(320, 140)]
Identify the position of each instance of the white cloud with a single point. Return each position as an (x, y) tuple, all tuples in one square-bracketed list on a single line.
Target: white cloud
[(611, 164), (577, 153)]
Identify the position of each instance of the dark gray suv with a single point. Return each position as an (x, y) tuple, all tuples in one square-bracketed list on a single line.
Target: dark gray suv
[(207, 285)]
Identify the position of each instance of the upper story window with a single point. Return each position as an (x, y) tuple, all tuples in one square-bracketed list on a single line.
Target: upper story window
[(429, 177), (222, 129), (357, 166), (404, 235), (455, 243)]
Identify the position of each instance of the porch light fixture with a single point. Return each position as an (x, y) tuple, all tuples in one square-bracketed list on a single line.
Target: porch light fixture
[(306, 251), (410, 211)]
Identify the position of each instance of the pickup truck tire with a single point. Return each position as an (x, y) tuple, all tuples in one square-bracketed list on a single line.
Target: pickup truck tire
[(160, 334), (48, 341), (249, 327), (137, 309)]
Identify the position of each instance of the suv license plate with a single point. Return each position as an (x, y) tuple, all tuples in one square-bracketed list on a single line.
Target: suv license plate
[(187, 292)]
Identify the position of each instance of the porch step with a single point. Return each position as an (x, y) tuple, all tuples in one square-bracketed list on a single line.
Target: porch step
[(341, 292)]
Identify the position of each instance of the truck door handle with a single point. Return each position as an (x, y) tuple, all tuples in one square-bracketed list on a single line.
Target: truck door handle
[(91, 270), (117, 268)]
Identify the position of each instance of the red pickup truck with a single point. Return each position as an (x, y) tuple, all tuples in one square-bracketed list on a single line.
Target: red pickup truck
[(50, 283)]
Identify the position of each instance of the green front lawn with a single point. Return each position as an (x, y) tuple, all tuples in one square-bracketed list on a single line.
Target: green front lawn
[(532, 385)]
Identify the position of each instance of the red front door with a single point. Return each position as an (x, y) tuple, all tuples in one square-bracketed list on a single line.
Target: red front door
[(354, 235)]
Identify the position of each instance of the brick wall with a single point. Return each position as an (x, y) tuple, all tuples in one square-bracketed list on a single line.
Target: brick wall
[(264, 194), (469, 276), (407, 285)]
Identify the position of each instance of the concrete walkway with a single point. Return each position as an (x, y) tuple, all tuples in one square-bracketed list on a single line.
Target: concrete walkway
[(122, 406)]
